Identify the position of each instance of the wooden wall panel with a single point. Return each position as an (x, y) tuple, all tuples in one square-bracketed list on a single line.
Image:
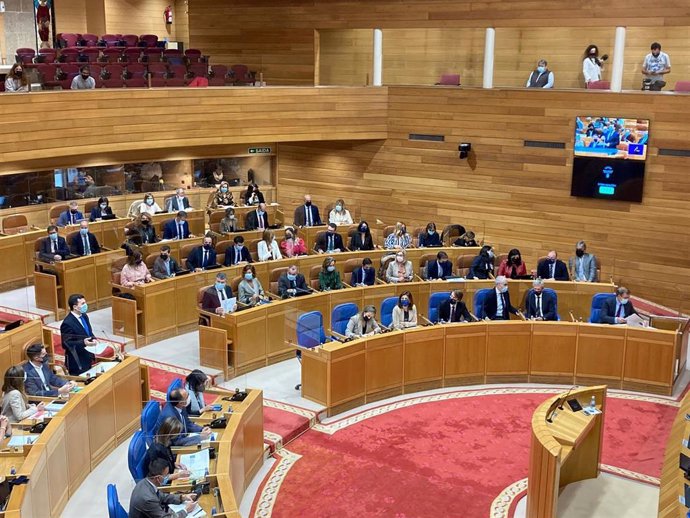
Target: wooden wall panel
[(345, 57), (507, 193), (70, 16), (420, 56), (674, 41), (138, 17)]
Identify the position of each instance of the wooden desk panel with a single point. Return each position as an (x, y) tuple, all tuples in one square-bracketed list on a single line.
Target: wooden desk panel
[(507, 351), (465, 354), (101, 415), (347, 377), (16, 340), (552, 356), (14, 271), (251, 326), (315, 375), (78, 454), (384, 366), (600, 352), (424, 355), (128, 400), (56, 451), (649, 359), (77, 276)]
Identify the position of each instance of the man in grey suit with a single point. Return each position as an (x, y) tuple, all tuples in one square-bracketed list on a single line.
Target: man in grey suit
[(148, 502), (582, 266), (165, 266)]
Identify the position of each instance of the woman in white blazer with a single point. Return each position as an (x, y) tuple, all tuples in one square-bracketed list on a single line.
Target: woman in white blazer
[(399, 270), (14, 400), (268, 248), (405, 312)]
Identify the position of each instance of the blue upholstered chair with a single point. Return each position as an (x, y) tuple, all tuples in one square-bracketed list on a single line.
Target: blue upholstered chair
[(434, 302), (597, 302), (115, 509), (386, 314)]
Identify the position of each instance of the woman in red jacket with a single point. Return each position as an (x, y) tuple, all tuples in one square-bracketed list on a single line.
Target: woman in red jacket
[(512, 266)]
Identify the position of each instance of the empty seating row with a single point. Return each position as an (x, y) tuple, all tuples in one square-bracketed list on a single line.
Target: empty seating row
[(69, 39), (109, 55)]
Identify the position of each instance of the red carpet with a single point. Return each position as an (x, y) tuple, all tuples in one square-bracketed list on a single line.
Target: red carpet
[(447, 458)]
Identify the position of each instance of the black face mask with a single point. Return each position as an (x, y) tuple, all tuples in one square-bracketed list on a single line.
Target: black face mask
[(207, 247), (164, 256), (365, 318), (138, 262), (73, 211), (146, 223), (307, 203), (85, 76), (579, 253)]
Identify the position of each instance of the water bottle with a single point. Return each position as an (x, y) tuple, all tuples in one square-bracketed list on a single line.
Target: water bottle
[(206, 473), (213, 511), (593, 402), (13, 470)]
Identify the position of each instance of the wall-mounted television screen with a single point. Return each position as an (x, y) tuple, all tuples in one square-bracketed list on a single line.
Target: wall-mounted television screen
[(611, 137), (607, 178)]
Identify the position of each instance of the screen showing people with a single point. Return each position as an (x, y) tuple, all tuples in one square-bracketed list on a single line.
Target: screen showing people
[(610, 137)]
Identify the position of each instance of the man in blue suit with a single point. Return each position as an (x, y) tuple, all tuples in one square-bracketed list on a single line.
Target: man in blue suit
[(364, 275), (71, 216), (40, 379), (202, 256), (54, 247), (497, 304), (85, 243), (615, 310), (307, 215), (553, 268), (540, 305), (76, 334), (176, 408), (177, 228), (440, 268)]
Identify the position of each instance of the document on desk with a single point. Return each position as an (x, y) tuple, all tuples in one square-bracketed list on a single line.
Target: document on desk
[(197, 463), (98, 348), (229, 304), (198, 512), (54, 407), (635, 320), (22, 440), (98, 369)]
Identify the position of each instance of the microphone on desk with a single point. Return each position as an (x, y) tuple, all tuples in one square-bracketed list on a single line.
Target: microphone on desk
[(564, 398), (118, 355)]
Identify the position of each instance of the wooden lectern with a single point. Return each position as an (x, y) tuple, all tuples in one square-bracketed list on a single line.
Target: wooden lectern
[(566, 448)]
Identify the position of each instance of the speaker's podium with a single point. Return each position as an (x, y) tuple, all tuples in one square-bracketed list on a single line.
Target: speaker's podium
[(566, 447)]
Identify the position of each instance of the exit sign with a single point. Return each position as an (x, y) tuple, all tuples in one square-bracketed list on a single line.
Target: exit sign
[(259, 150)]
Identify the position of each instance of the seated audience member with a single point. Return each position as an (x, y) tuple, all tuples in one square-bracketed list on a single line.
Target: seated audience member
[(339, 214), (482, 266), (83, 81), (540, 305), (177, 228), (308, 214), (362, 240), (148, 502), (15, 404), (148, 206), (71, 216), (76, 334), (216, 177), (237, 253), (201, 257), (40, 379), (196, 384), (363, 324), (85, 243), (430, 238), (101, 210), (497, 304), (144, 227), (229, 222), (329, 277), (250, 291), (512, 266), (222, 197), (552, 268), (253, 196), (582, 266), (405, 312), (165, 266), (399, 238), (453, 309), (215, 295), (440, 268), (541, 77), (54, 247), (176, 408), (292, 245), (467, 239), (399, 270), (179, 202), (616, 310), (268, 248), (292, 284), (330, 241), (160, 448), (135, 272), (257, 219), (364, 275), (17, 79)]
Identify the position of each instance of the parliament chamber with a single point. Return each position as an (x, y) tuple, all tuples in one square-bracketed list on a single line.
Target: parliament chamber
[(395, 113)]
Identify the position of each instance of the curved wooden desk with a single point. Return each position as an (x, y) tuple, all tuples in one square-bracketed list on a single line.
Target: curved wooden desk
[(342, 376), (565, 450), (673, 481)]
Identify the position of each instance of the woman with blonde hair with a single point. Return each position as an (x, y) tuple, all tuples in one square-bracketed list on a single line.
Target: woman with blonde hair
[(15, 403), (399, 238), (222, 197), (267, 248), (250, 291), (339, 214)]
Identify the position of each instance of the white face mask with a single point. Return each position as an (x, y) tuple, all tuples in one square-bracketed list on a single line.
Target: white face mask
[(400, 259)]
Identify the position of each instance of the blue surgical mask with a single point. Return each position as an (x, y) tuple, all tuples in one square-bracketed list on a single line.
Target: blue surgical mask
[(338, 208), (104, 205), (504, 289), (624, 301), (248, 276), (291, 277), (260, 212), (405, 302), (53, 236), (220, 286), (84, 231), (84, 308), (431, 232), (149, 201), (541, 70), (330, 268), (166, 480), (223, 189)]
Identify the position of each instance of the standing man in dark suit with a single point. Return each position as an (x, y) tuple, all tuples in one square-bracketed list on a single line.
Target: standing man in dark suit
[(616, 310), (364, 275), (257, 219), (202, 256), (85, 243), (553, 268), (238, 253), (330, 241), (179, 202), (307, 215), (215, 295), (148, 502), (292, 284), (497, 304), (177, 228), (440, 268), (540, 305), (40, 379), (165, 265), (76, 333), (54, 247), (454, 309)]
